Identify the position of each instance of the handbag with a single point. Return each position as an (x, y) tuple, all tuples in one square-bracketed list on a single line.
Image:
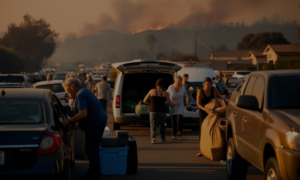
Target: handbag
[(142, 108)]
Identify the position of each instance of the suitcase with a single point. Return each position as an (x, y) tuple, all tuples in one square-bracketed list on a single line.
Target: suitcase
[(132, 158)]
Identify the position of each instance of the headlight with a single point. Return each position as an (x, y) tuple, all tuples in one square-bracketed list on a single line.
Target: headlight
[(293, 140)]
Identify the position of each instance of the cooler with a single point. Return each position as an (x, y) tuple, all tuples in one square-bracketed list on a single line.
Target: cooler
[(113, 160)]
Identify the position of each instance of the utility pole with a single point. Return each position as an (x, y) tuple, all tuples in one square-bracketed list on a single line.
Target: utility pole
[(196, 45)]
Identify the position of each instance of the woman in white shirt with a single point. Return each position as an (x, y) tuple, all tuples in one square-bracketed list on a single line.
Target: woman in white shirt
[(177, 94)]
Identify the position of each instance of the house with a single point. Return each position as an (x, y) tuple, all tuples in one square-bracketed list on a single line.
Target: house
[(258, 59), (224, 60), (281, 52)]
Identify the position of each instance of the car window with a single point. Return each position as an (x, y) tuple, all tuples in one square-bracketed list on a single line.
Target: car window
[(20, 111), (56, 88), (12, 79), (258, 90), (283, 93), (250, 85)]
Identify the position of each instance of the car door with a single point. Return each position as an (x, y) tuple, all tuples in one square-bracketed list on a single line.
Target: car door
[(68, 135), (251, 122), (239, 114)]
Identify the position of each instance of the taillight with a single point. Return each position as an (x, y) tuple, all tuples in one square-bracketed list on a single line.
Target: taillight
[(67, 98), (9, 75), (118, 101), (49, 144)]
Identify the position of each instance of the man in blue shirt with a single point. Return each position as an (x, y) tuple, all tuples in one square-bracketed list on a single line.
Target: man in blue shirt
[(92, 120), (222, 85)]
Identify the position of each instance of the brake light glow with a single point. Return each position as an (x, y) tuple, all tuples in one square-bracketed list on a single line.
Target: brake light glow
[(9, 75), (49, 144), (117, 101)]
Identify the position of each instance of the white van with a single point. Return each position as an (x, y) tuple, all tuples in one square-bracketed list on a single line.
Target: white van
[(135, 80), (196, 77)]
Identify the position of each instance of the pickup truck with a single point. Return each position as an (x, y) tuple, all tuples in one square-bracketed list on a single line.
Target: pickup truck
[(263, 126)]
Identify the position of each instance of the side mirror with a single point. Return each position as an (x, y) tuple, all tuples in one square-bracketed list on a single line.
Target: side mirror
[(247, 102)]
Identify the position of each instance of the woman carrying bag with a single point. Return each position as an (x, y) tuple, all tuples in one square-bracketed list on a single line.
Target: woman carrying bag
[(177, 95), (157, 109)]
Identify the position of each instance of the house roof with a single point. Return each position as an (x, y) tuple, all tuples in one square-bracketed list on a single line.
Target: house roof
[(256, 53), (286, 48), (229, 53)]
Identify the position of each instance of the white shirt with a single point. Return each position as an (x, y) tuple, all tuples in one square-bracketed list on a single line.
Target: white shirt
[(177, 98)]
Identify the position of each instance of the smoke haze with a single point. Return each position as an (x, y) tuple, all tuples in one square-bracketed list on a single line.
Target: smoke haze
[(133, 16)]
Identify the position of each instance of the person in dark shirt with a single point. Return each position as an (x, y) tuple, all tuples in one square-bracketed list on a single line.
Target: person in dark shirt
[(92, 120)]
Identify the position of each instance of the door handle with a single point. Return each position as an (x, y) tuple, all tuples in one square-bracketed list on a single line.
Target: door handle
[(234, 113), (245, 118)]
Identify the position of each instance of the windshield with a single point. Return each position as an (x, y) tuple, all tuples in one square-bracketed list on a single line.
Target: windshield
[(60, 75), (12, 79), (243, 73), (20, 111), (284, 92), (56, 88)]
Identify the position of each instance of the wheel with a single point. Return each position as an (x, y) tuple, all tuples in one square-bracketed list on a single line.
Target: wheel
[(116, 126), (236, 166), (271, 170)]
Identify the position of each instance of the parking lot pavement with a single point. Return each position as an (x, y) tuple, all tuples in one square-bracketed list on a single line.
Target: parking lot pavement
[(172, 159)]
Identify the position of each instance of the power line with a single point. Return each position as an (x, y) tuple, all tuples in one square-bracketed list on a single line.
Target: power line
[(204, 44)]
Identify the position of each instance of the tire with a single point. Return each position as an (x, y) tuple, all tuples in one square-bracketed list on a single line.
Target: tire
[(116, 126), (271, 171), (236, 166)]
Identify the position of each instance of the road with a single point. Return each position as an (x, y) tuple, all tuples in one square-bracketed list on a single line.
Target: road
[(172, 159)]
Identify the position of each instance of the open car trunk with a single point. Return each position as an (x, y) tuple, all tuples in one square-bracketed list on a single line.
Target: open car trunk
[(137, 85)]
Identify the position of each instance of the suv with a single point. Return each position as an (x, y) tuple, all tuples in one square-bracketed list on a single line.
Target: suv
[(135, 80), (16, 78), (263, 126)]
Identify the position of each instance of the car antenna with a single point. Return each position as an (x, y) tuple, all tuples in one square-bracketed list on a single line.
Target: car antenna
[(3, 92)]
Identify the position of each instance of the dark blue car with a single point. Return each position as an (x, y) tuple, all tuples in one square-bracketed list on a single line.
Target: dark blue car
[(32, 139)]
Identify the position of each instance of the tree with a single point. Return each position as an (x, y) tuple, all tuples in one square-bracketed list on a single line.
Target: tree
[(260, 41), (32, 40), (151, 40), (10, 62)]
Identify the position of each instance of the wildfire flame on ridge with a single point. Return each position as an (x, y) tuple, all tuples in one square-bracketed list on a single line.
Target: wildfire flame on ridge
[(145, 29)]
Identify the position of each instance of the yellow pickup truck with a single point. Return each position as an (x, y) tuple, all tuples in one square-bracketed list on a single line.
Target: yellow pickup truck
[(263, 126)]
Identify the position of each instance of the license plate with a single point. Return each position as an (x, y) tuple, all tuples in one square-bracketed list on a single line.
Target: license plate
[(1, 158)]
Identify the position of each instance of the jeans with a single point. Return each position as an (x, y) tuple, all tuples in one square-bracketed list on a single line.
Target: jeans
[(93, 138), (103, 102), (161, 117), (176, 121)]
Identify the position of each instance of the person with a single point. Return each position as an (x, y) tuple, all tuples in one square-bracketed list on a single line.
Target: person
[(83, 78), (89, 83), (223, 87), (177, 94), (49, 76), (157, 109), (92, 120), (102, 90), (188, 87), (204, 96)]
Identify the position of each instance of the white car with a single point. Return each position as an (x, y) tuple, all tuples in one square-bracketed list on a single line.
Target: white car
[(135, 80), (57, 88), (237, 78)]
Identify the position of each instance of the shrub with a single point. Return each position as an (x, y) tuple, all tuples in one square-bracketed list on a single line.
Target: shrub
[(267, 67), (10, 62), (287, 64)]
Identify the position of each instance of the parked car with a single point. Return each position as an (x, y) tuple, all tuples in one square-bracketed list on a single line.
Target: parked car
[(13, 85), (135, 80), (263, 126), (35, 77), (16, 78), (43, 76), (56, 87), (237, 78), (32, 138), (60, 76)]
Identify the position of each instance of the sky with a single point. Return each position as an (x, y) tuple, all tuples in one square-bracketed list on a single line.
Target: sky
[(79, 17)]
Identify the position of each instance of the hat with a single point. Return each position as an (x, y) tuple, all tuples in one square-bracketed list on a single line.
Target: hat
[(185, 75)]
